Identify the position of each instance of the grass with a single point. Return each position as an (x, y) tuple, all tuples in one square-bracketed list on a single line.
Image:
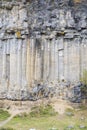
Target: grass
[(6, 128), (42, 111), (45, 118), (3, 115)]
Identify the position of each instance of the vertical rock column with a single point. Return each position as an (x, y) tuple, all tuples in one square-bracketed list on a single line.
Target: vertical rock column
[(13, 68), (61, 59), (19, 69), (70, 54), (46, 60), (48, 57), (74, 60), (37, 60), (83, 56), (38, 47), (4, 62), (28, 64), (33, 61), (71, 60), (53, 59), (4, 82), (81, 53), (52, 69), (42, 59), (1, 59), (86, 53), (56, 60), (65, 60), (32, 56), (8, 62), (68, 60), (24, 88), (77, 59)]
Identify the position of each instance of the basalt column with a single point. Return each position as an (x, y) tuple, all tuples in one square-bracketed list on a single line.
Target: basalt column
[(24, 62), (13, 64), (4, 75), (61, 58), (65, 60), (42, 45)]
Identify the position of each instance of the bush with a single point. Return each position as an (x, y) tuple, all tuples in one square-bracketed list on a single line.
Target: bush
[(42, 111)]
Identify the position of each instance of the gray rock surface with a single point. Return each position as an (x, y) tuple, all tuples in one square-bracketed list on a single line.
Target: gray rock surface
[(43, 49)]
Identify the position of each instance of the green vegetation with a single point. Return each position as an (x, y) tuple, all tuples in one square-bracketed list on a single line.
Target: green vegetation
[(3, 115), (84, 77), (45, 118), (84, 81), (38, 111), (42, 111)]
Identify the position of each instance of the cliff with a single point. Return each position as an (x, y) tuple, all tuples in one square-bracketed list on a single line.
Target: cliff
[(43, 49)]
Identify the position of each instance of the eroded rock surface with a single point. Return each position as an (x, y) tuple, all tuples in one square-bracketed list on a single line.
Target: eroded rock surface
[(43, 48)]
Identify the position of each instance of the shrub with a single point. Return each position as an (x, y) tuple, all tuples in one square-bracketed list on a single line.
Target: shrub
[(42, 111)]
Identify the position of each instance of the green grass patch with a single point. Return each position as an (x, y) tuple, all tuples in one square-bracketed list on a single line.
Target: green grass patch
[(38, 111), (3, 115), (42, 111), (45, 118)]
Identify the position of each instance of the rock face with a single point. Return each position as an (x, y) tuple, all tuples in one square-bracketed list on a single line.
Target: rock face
[(43, 48)]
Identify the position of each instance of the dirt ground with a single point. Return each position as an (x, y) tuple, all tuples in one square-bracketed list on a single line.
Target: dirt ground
[(16, 107)]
